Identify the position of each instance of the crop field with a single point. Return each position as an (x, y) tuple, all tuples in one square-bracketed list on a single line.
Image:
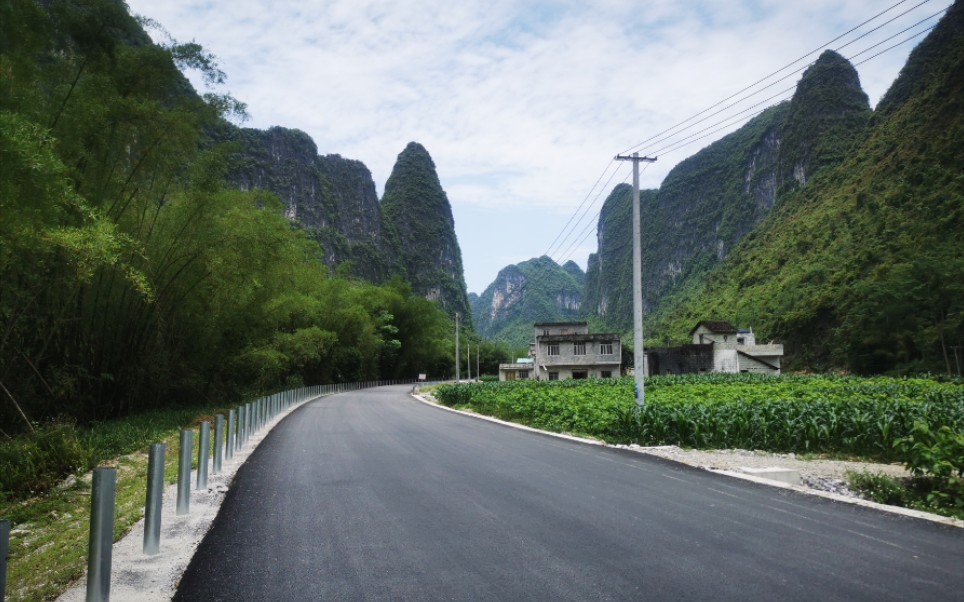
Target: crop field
[(843, 415)]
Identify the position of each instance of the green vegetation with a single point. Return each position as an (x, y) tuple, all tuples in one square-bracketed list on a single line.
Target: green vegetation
[(819, 414), (333, 198), (133, 278), (421, 232), (918, 421), (48, 548)]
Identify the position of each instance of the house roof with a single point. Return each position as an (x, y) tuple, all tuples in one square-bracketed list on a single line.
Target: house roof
[(565, 338), (715, 326), (542, 324)]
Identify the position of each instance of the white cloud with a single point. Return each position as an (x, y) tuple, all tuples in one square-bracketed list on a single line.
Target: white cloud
[(521, 104)]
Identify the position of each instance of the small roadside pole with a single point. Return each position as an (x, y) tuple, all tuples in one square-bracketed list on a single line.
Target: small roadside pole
[(229, 446), (4, 552), (639, 359), (184, 472), (155, 499), (218, 443), (203, 450), (103, 489)]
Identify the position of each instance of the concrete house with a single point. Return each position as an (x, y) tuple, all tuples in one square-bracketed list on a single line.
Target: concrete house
[(717, 346), (563, 350), (521, 369)]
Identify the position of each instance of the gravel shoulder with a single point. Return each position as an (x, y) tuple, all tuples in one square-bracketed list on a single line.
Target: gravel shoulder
[(818, 474)]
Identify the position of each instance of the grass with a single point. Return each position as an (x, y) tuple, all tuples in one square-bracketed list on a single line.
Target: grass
[(908, 492), (50, 528)]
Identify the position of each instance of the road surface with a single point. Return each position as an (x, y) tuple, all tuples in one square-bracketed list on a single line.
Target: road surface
[(371, 495)]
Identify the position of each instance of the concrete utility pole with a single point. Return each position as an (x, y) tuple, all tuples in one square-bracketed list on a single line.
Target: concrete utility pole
[(468, 360), (457, 360), (639, 361)]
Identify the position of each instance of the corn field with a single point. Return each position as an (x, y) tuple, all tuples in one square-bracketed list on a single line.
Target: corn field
[(803, 414)]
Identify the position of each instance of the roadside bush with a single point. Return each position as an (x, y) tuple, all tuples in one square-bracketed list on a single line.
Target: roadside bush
[(32, 463), (880, 488), (455, 394), (936, 459)]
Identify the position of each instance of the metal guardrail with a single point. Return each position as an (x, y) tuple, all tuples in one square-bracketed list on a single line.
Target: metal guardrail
[(230, 435)]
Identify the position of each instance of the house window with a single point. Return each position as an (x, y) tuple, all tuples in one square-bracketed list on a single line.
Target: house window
[(580, 374), (605, 374), (523, 374), (606, 348), (740, 340), (545, 332), (553, 376), (553, 348), (579, 349)]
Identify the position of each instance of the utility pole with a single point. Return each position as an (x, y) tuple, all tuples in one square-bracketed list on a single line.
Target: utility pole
[(639, 359), (457, 360), (468, 359)]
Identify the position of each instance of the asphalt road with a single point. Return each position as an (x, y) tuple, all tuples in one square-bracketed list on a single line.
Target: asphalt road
[(371, 495)]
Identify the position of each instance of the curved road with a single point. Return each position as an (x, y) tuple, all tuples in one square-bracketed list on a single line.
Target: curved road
[(371, 495)]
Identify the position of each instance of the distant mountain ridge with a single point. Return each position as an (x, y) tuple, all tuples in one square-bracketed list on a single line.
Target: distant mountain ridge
[(537, 290)]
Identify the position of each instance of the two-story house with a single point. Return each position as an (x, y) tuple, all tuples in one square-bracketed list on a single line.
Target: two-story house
[(563, 350)]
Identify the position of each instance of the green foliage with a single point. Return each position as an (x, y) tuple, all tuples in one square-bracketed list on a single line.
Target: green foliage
[(32, 463), (132, 276), (936, 457), (847, 415), (421, 232), (880, 488)]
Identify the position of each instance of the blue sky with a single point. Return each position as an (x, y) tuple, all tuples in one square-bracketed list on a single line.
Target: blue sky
[(522, 104)]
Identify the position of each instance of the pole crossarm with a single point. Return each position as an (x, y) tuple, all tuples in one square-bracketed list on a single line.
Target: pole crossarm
[(635, 158)]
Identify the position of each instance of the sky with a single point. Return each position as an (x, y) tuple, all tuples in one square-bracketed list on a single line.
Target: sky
[(523, 104)]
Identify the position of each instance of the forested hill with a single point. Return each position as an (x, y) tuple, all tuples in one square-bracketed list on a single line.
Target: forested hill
[(132, 275), (863, 267), (421, 232), (537, 290), (710, 201), (409, 234), (333, 198)]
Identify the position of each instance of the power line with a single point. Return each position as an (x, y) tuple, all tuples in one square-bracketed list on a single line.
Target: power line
[(785, 67)]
